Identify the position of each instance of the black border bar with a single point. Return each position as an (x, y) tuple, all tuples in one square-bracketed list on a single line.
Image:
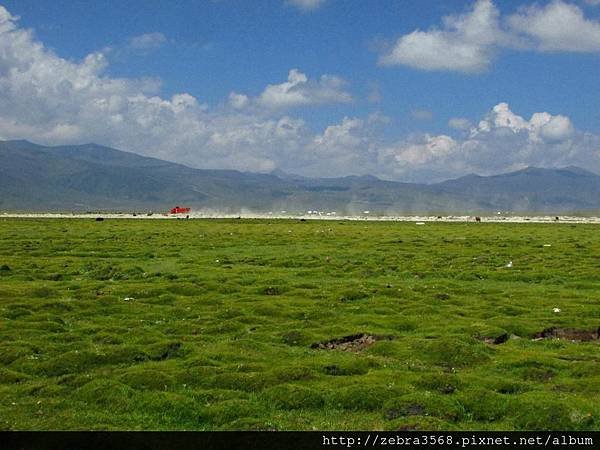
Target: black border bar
[(229, 440)]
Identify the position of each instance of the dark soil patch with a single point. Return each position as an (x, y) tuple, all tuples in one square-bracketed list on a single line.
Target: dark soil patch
[(408, 427), (448, 389), (333, 370), (572, 334), (352, 343), (169, 351), (497, 340), (409, 410)]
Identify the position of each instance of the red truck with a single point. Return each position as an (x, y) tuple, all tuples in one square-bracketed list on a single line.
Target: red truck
[(180, 210)]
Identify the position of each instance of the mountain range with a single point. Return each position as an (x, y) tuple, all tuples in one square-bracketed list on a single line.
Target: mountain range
[(91, 177)]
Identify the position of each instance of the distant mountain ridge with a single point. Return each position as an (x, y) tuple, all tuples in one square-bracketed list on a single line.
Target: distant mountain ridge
[(92, 177)]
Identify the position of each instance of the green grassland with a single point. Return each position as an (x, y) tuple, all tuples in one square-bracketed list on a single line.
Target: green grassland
[(208, 324)]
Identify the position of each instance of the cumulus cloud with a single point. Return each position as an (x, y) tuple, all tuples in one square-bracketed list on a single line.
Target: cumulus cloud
[(469, 42), (465, 43), (298, 90), (148, 41), (502, 141), (350, 147), (305, 5), (238, 101), (541, 127), (557, 27), (427, 149), (51, 100)]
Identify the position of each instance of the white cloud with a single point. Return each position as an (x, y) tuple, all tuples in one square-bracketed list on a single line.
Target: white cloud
[(430, 148), (557, 27), (51, 100), (298, 90), (502, 117), (305, 5), (465, 43), (350, 147), (542, 127), (501, 142), (7, 21), (552, 128), (469, 42), (238, 101), (147, 41)]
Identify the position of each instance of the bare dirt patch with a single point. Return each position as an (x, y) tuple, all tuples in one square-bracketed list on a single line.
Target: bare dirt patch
[(497, 340), (351, 343), (413, 409), (571, 334)]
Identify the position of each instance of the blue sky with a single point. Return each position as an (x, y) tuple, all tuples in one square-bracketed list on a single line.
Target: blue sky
[(394, 88)]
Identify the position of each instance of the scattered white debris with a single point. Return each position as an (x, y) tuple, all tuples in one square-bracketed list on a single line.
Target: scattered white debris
[(547, 245), (556, 310), (216, 260), (420, 223), (128, 299), (510, 264), (504, 216)]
